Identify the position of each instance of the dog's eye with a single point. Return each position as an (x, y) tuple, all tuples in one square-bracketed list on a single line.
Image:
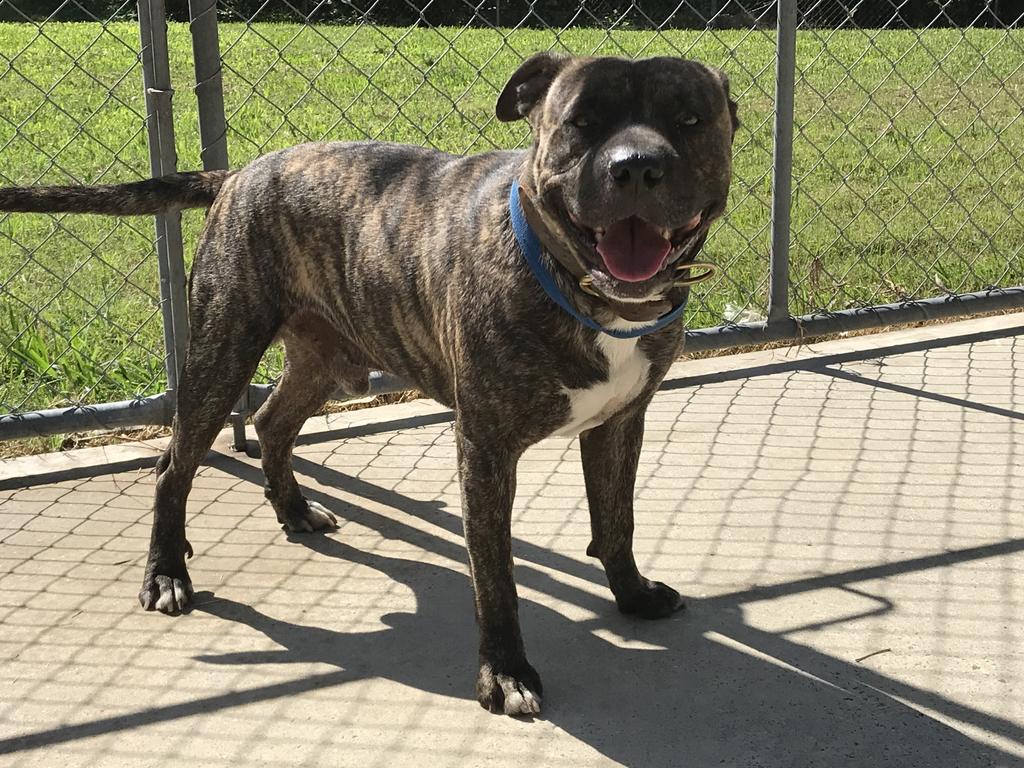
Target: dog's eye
[(583, 121), (689, 120)]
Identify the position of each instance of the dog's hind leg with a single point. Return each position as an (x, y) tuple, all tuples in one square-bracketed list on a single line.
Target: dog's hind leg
[(230, 326), (316, 366)]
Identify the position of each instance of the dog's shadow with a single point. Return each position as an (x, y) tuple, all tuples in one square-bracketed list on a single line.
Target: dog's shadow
[(700, 689)]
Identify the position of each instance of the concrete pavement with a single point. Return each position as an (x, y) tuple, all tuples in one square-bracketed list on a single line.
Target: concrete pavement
[(847, 521)]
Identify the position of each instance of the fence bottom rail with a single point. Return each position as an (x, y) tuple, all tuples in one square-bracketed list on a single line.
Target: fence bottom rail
[(142, 411), (158, 409)]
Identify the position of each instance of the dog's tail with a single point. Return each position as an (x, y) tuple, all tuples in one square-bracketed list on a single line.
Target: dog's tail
[(167, 193)]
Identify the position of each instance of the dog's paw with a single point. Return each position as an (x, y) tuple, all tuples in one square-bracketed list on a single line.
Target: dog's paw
[(515, 692), (315, 517), (652, 601), (167, 594)]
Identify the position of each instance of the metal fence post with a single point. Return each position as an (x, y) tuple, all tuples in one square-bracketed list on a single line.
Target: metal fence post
[(213, 134), (782, 174), (156, 78), (209, 83)]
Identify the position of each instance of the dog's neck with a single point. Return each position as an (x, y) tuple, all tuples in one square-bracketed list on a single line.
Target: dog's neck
[(634, 311)]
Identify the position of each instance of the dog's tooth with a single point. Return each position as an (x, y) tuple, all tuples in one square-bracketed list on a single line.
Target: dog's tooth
[(666, 233), (598, 233)]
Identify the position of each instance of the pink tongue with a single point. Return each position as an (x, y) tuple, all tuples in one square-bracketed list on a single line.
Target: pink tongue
[(633, 250)]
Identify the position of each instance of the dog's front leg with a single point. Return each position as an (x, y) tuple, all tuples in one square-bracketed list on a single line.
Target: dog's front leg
[(610, 456), (506, 683)]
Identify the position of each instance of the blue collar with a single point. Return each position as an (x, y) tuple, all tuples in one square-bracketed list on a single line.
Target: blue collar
[(531, 248)]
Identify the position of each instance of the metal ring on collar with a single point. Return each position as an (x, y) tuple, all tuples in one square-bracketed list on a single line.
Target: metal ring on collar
[(709, 270), (587, 286)]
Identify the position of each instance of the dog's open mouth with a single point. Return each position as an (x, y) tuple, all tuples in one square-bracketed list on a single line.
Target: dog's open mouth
[(632, 259), (633, 250)]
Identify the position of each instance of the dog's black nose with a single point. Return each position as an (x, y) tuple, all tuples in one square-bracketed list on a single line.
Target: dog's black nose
[(635, 168)]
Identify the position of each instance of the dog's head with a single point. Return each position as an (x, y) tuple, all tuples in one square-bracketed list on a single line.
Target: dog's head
[(631, 161)]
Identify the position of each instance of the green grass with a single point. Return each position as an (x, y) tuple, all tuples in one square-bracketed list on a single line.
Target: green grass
[(908, 180)]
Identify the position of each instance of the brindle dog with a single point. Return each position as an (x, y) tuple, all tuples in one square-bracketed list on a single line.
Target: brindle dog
[(369, 255)]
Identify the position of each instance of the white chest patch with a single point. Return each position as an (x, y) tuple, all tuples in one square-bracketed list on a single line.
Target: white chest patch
[(627, 375)]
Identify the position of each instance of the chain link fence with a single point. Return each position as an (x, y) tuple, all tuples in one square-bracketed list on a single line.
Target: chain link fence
[(80, 318), (878, 171), (907, 158)]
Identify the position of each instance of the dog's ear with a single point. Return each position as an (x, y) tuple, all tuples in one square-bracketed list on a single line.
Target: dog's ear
[(724, 80), (527, 87)]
